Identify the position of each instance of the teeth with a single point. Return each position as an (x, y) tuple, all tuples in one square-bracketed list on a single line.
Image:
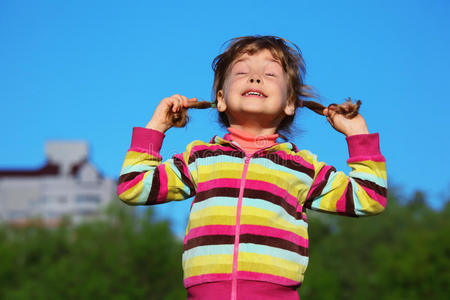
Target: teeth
[(253, 93)]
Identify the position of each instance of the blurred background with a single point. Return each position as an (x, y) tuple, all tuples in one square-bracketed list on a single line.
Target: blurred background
[(77, 76)]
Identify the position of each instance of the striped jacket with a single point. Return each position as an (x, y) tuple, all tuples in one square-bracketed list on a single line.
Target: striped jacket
[(247, 219)]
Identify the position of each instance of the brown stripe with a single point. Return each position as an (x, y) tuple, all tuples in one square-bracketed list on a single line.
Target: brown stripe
[(128, 177), (318, 190), (275, 199), (294, 147), (217, 192), (214, 152), (273, 242), (373, 186), (288, 163), (154, 191), (179, 165), (349, 201), (206, 240)]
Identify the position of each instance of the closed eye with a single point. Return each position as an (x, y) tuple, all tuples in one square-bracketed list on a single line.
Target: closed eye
[(270, 74)]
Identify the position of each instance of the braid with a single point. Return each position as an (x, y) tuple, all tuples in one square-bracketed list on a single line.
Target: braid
[(180, 119), (348, 109)]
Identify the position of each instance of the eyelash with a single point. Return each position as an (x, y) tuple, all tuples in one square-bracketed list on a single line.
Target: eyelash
[(267, 74)]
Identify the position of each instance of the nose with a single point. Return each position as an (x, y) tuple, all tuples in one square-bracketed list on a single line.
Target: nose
[(254, 78)]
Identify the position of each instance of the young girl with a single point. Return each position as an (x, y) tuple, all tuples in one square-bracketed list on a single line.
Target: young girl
[(247, 233)]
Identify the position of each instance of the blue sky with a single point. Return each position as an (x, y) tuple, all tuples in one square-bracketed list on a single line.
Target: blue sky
[(91, 70)]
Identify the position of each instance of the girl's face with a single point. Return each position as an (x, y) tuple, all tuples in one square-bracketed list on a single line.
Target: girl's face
[(256, 87)]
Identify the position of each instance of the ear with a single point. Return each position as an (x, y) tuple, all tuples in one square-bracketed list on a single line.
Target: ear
[(221, 105), (289, 110)]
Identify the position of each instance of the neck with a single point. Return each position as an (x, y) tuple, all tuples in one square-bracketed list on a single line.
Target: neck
[(254, 130), (255, 124), (251, 143)]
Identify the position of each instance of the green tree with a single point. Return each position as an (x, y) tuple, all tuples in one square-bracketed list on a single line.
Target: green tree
[(403, 253), (120, 256)]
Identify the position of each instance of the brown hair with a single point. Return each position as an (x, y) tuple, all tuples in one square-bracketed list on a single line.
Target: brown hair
[(292, 62)]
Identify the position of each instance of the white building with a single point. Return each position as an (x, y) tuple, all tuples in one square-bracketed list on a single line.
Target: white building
[(68, 184)]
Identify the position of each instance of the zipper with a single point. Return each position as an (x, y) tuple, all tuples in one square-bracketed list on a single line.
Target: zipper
[(238, 216), (237, 229)]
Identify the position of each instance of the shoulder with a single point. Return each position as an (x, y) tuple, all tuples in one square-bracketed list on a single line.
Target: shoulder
[(201, 149), (300, 156), (292, 149)]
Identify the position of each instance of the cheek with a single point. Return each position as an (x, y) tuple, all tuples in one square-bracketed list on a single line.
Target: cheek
[(283, 90), (230, 87), (284, 85)]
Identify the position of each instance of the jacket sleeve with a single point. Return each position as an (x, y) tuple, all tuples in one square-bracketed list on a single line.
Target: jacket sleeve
[(360, 193), (145, 180)]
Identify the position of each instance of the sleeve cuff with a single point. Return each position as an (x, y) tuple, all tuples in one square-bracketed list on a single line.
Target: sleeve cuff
[(363, 145), (147, 139)]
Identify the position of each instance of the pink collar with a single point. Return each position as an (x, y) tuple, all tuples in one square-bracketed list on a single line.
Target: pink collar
[(249, 142)]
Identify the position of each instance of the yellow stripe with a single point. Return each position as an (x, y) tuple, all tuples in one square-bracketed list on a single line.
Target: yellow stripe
[(266, 216), (216, 215), (280, 178), (307, 156), (290, 183), (175, 185), (338, 186), (261, 263), (370, 167), (219, 171), (279, 223), (131, 195), (368, 204), (132, 158), (207, 264)]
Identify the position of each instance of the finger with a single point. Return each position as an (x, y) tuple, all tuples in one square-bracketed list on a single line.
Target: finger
[(187, 103), (184, 101), (170, 103), (177, 102), (331, 114), (330, 121)]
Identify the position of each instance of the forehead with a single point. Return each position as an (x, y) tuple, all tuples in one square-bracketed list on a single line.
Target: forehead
[(264, 55)]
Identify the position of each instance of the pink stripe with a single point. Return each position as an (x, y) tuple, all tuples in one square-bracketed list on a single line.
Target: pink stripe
[(266, 277), (320, 177), (210, 229), (221, 182), (375, 196), (271, 188), (252, 184), (162, 195), (210, 147), (247, 289), (193, 280), (296, 158), (247, 229), (129, 184), (274, 232), (340, 204), (377, 158)]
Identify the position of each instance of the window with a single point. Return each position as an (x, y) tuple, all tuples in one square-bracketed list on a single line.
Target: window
[(86, 198)]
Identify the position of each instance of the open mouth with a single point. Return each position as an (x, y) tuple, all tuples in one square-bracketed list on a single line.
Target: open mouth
[(254, 93)]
